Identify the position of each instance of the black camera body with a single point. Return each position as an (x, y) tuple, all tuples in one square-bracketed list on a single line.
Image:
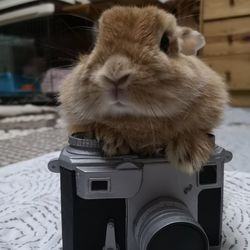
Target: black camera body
[(133, 203)]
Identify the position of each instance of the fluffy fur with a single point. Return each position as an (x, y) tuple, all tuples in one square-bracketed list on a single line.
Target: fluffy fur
[(135, 97)]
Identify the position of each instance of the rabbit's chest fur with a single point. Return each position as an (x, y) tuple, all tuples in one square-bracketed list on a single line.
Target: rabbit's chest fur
[(145, 131)]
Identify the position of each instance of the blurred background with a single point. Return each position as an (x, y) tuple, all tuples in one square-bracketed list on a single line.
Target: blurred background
[(40, 41)]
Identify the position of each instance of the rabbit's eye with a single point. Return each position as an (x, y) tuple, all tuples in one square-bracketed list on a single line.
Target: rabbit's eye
[(164, 42)]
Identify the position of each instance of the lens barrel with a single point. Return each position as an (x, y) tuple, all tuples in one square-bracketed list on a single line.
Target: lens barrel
[(167, 224)]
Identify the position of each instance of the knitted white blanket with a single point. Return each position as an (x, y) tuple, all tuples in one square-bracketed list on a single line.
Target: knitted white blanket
[(30, 207)]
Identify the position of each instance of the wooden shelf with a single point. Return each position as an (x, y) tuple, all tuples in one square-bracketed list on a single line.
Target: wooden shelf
[(218, 9), (240, 98), (234, 68), (226, 27), (227, 37)]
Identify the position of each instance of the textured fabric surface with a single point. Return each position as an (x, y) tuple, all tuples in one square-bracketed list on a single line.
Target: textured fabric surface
[(30, 207), (236, 216)]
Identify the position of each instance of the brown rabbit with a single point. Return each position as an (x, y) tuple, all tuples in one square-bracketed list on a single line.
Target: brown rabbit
[(142, 87)]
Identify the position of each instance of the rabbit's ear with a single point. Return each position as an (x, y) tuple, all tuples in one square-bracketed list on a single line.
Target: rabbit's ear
[(190, 41)]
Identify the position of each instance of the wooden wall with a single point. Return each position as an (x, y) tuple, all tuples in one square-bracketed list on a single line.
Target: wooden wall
[(226, 26)]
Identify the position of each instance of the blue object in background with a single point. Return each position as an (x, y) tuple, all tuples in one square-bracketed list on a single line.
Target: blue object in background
[(12, 84)]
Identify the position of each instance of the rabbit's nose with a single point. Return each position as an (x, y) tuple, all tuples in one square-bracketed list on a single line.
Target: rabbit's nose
[(118, 82)]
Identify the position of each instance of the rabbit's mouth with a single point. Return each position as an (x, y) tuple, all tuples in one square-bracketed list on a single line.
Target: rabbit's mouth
[(118, 97), (119, 106), (118, 103)]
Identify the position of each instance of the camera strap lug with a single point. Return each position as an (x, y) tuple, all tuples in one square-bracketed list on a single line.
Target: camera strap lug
[(110, 242)]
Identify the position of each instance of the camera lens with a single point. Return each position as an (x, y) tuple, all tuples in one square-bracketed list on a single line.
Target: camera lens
[(167, 224)]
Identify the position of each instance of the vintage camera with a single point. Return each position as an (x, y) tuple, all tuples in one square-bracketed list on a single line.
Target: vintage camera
[(133, 203)]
